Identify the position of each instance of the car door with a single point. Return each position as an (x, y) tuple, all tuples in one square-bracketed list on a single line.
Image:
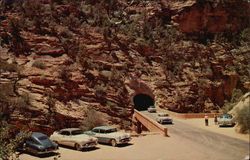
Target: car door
[(65, 138), (31, 145), (104, 136), (97, 134)]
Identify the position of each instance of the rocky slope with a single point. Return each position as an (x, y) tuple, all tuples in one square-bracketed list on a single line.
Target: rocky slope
[(73, 58)]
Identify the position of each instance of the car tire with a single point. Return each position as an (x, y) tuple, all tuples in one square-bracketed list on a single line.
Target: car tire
[(113, 142), (78, 147)]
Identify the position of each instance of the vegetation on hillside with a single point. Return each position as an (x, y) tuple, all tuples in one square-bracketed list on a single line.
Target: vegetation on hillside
[(243, 119), (151, 36), (10, 141), (91, 119)]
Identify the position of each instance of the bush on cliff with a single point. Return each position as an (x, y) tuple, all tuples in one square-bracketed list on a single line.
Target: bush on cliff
[(243, 119), (92, 119), (9, 143), (39, 64)]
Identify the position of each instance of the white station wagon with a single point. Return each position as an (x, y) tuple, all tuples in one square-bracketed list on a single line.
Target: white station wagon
[(74, 137), (109, 134)]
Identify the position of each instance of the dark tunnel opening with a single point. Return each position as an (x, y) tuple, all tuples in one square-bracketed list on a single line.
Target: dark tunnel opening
[(142, 102)]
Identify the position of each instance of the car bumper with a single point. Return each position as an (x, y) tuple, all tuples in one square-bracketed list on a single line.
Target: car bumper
[(166, 121), (226, 124), (151, 110), (89, 145), (47, 151), (125, 140)]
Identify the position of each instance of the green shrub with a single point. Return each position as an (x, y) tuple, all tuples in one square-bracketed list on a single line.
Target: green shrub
[(64, 73), (92, 119), (228, 105), (245, 36), (39, 64), (126, 125), (243, 119), (10, 67), (9, 143)]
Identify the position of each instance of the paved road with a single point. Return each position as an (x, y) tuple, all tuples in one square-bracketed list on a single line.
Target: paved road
[(185, 143), (222, 146)]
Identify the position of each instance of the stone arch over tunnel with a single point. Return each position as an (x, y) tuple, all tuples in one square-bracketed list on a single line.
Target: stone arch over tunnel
[(142, 101)]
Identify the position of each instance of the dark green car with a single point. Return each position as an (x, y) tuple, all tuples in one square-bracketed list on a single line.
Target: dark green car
[(39, 143)]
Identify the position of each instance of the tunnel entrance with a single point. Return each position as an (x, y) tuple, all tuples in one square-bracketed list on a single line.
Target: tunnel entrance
[(142, 102)]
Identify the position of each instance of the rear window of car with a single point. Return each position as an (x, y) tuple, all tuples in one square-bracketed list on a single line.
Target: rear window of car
[(111, 130), (77, 132), (66, 133), (42, 138), (226, 116), (163, 115)]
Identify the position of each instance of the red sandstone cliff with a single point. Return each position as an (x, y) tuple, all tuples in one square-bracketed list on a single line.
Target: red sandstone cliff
[(83, 68)]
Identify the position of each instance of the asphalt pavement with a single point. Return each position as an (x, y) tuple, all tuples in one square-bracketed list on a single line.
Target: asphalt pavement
[(224, 147)]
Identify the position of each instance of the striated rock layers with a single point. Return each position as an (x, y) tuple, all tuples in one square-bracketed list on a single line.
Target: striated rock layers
[(106, 74)]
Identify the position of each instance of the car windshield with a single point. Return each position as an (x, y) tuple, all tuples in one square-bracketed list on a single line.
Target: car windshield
[(77, 132), (42, 138), (226, 116), (162, 115), (111, 130)]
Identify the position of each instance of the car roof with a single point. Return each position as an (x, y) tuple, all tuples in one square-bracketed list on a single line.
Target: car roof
[(226, 115), (105, 127), (70, 129), (37, 134)]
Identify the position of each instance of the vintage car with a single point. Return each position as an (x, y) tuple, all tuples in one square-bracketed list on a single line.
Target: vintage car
[(226, 120), (110, 135), (39, 143), (74, 137), (164, 118), (151, 109)]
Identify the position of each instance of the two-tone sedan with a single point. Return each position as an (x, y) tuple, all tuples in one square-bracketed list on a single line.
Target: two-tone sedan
[(74, 137), (164, 118), (110, 135)]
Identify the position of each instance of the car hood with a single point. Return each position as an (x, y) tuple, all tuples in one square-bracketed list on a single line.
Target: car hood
[(165, 118), (225, 119), (47, 143), (83, 137)]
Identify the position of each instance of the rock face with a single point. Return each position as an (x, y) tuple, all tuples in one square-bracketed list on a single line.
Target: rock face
[(242, 107), (217, 17), (107, 73)]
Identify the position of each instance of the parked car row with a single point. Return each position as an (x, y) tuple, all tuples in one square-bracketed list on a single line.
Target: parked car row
[(39, 143), (162, 118)]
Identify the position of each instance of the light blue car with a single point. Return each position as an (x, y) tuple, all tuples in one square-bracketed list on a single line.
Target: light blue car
[(109, 134), (226, 120)]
